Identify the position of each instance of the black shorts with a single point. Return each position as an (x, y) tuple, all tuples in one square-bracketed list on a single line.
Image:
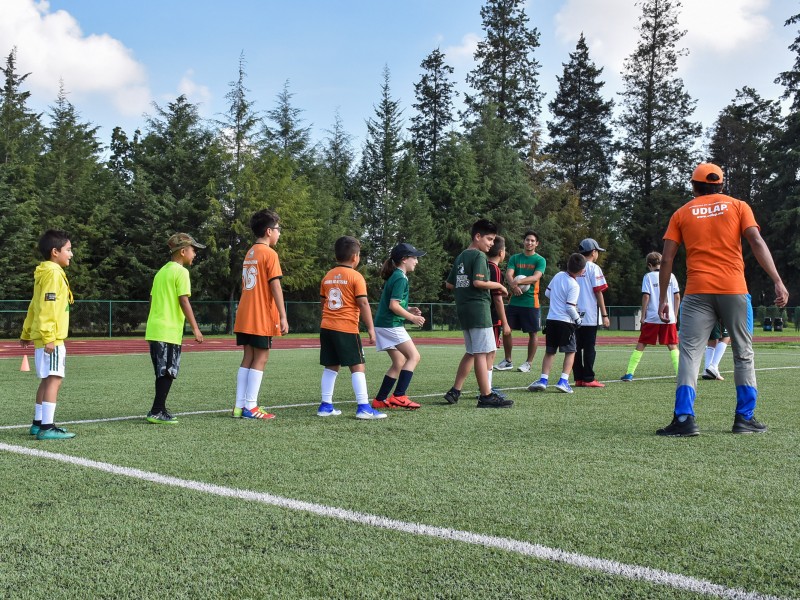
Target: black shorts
[(522, 318), (166, 359), (560, 336), (264, 342), (340, 348)]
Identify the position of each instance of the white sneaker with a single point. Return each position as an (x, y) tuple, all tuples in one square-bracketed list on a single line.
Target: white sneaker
[(366, 412), (524, 367), (504, 365), (713, 373)]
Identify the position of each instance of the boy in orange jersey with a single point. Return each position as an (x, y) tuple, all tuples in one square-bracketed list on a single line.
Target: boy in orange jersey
[(261, 314), (343, 293)]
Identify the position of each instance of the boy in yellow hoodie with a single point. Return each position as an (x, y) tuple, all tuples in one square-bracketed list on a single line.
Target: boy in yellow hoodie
[(46, 325)]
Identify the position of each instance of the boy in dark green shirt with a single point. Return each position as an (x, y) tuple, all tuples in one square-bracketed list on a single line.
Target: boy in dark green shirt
[(469, 278)]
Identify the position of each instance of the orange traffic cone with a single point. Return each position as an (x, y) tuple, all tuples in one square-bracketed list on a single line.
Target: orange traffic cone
[(25, 366)]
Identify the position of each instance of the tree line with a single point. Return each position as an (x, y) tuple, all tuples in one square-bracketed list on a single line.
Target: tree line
[(424, 179)]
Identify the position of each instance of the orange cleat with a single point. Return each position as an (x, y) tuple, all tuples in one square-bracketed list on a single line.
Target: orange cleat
[(595, 384), (400, 402)]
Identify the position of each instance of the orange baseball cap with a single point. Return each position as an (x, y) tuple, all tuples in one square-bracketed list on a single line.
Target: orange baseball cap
[(708, 173)]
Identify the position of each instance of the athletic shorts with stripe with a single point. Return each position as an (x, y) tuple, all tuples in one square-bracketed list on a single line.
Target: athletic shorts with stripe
[(54, 363)]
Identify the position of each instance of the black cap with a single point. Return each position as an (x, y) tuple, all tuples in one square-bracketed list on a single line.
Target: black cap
[(588, 245), (400, 251)]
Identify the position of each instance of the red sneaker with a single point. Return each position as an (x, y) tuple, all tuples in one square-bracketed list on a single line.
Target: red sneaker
[(401, 402), (380, 404), (578, 383), (594, 383)]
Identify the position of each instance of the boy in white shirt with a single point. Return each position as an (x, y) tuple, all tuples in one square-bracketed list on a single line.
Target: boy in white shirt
[(562, 320), (592, 308), (654, 330)]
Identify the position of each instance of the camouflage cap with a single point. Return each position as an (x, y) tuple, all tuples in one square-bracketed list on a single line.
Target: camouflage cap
[(180, 241)]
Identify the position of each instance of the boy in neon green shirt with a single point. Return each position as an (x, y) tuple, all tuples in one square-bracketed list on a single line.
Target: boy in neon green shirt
[(169, 306)]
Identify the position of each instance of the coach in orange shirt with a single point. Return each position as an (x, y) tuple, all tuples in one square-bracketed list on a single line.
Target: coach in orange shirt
[(711, 227)]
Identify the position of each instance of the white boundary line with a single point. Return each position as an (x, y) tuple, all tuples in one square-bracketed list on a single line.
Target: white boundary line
[(610, 567)]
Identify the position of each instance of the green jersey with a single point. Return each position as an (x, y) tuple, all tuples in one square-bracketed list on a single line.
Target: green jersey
[(396, 288), (527, 265), (166, 319), (472, 304)]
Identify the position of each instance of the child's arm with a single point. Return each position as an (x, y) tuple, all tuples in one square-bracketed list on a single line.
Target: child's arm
[(645, 302), (366, 317), (490, 285), (500, 309), (449, 285), (601, 304), (396, 308), (186, 307), (677, 302), (277, 294)]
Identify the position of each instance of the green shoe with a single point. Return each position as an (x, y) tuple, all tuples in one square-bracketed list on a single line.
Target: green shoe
[(161, 418), (55, 433), (236, 413), (34, 429)]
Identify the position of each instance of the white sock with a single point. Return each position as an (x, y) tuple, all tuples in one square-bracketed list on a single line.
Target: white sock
[(490, 377), (718, 352), (359, 381), (545, 377), (565, 376), (709, 356), (253, 386), (328, 383), (48, 412), (37, 412), (241, 386)]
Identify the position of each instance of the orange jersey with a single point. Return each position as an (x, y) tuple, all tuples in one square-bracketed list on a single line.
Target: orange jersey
[(257, 313), (339, 289), (711, 228)]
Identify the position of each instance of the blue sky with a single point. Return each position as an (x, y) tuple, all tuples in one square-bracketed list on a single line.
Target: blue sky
[(116, 58)]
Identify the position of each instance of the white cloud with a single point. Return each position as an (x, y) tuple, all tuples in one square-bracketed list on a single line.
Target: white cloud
[(720, 26), (196, 93), (462, 55), (52, 47)]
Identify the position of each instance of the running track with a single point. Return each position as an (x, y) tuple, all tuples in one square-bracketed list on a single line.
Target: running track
[(139, 346)]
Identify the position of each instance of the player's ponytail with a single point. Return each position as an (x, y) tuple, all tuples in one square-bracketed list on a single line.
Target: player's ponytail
[(388, 268)]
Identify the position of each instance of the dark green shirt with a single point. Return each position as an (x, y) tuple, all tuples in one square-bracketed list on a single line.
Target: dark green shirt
[(472, 304), (395, 288)]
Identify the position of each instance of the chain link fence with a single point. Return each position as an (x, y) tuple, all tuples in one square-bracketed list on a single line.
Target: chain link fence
[(115, 318)]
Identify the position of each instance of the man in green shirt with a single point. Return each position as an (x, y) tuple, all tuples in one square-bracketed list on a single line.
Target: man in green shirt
[(523, 269)]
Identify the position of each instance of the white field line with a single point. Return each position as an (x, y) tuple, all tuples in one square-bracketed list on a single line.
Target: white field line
[(308, 404), (610, 567)]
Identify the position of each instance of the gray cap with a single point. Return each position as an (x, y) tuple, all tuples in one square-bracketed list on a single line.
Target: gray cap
[(588, 245)]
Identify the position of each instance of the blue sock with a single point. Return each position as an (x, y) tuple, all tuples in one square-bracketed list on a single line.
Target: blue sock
[(402, 383), (386, 387)]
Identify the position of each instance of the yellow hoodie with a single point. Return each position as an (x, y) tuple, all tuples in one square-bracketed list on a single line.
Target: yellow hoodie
[(48, 313)]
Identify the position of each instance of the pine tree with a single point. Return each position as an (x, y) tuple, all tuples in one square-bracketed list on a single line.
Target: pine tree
[(506, 75), (743, 132), (657, 134), (378, 202), (21, 144), (434, 94), (581, 148), (287, 137), (790, 80)]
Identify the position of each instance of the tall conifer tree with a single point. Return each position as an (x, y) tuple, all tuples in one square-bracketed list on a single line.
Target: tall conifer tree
[(434, 93)]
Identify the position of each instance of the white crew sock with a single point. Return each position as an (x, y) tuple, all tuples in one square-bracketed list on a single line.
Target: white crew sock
[(253, 387), (48, 412), (359, 381), (490, 377), (328, 383), (709, 356), (241, 386), (37, 412), (565, 376), (718, 352)]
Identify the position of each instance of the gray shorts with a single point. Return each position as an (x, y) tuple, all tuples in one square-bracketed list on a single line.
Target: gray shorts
[(479, 340)]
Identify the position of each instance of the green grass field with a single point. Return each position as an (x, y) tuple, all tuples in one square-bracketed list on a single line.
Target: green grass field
[(581, 474)]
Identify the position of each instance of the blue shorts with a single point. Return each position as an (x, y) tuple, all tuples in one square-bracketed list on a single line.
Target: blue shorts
[(523, 318)]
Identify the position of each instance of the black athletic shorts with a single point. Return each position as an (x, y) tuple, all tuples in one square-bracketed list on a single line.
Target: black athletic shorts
[(560, 336), (339, 348), (166, 359)]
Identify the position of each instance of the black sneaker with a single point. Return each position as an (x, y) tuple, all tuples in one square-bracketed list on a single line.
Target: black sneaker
[(494, 400), (742, 425), (452, 396), (677, 429)]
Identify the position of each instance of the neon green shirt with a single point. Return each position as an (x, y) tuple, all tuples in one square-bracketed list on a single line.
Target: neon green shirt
[(166, 319)]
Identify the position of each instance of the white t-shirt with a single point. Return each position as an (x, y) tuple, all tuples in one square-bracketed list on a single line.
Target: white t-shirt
[(563, 292), (591, 282), (650, 286)]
